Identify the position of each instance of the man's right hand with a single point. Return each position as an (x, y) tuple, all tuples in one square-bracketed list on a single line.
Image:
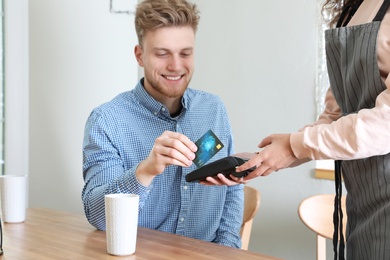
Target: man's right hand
[(170, 148)]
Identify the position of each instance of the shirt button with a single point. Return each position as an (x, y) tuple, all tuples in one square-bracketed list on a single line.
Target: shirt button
[(185, 187), (182, 220), (155, 113), (163, 109)]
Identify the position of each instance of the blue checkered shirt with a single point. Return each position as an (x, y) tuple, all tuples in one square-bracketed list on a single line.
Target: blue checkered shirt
[(121, 133)]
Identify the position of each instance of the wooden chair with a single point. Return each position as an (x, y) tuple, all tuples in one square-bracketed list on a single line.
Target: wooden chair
[(251, 206), (316, 212)]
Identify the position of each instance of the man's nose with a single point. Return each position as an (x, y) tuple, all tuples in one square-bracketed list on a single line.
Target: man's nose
[(174, 63)]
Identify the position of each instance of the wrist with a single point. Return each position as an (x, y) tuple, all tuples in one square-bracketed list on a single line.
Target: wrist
[(142, 174)]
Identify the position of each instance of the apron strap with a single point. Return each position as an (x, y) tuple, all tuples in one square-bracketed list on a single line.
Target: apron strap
[(338, 216), (382, 11), (348, 11)]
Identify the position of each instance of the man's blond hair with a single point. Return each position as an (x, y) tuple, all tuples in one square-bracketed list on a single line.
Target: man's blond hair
[(154, 14)]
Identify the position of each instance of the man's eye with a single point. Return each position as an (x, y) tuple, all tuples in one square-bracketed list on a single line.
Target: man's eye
[(161, 54)]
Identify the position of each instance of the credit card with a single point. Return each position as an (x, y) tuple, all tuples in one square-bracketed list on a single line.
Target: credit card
[(208, 145)]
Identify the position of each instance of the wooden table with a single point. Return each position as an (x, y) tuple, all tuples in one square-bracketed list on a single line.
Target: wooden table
[(50, 234)]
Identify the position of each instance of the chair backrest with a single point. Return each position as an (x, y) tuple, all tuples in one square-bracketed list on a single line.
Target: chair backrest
[(316, 212), (251, 206)]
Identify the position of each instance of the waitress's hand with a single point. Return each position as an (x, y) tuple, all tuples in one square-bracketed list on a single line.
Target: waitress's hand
[(220, 179), (275, 155)]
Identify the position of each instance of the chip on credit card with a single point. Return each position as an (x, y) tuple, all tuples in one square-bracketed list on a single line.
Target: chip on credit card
[(208, 145)]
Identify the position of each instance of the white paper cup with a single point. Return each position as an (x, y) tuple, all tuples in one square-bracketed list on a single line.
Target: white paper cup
[(121, 223), (14, 197)]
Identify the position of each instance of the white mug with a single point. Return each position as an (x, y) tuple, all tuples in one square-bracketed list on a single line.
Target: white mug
[(121, 223), (14, 197)]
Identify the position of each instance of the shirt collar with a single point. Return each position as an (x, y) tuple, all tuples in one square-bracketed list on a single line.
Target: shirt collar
[(153, 105)]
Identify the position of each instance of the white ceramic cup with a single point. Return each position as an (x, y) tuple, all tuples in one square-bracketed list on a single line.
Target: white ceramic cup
[(14, 197), (121, 223)]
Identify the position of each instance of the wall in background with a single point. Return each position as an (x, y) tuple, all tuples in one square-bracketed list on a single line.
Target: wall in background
[(81, 55), (259, 56), (16, 86)]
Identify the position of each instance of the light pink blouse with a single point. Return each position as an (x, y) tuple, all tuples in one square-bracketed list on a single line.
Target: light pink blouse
[(360, 135)]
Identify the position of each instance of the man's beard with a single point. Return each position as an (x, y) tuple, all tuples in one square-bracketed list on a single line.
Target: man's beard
[(168, 92)]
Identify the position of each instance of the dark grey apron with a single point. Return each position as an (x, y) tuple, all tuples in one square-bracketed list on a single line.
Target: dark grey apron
[(355, 82)]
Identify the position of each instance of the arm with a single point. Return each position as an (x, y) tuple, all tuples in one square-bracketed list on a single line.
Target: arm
[(228, 233), (104, 171), (104, 168), (354, 136), (332, 111)]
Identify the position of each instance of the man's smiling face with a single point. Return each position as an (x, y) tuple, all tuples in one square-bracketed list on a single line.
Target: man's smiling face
[(167, 56)]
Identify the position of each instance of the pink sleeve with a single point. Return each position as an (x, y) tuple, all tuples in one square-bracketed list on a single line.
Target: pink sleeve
[(332, 110), (359, 135)]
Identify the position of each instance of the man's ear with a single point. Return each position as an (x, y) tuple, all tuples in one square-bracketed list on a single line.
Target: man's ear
[(139, 55)]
